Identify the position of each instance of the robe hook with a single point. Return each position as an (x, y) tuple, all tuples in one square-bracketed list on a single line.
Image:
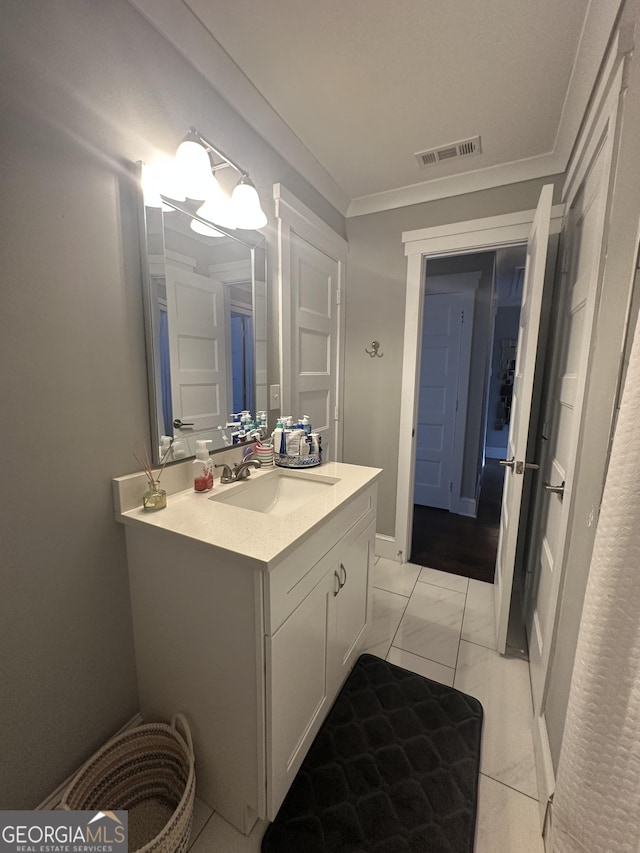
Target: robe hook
[(375, 346)]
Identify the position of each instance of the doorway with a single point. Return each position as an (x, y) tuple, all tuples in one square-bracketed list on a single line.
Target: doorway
[(470, 321)]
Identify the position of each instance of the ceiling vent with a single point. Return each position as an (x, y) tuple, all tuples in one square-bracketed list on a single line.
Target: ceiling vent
[(465, 148)]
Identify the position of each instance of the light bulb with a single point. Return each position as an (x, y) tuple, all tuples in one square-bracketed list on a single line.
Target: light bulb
[(245, 204), (217, 208), (160, 179), (194, 167)]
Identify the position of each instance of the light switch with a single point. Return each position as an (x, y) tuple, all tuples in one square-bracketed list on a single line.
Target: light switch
[(274, 396)]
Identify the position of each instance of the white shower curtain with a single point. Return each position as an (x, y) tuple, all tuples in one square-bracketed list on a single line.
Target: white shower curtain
[(597, 799)]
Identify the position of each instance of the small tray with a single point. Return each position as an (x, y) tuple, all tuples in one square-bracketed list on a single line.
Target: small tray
[(284, 461)]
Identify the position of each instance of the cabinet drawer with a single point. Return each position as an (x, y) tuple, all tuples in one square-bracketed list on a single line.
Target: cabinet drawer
[(293, 579)]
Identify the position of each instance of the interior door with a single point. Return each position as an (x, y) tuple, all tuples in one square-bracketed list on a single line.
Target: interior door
[(198, 354), (520, 412), (314, 278), (439, 369), (563, 415)]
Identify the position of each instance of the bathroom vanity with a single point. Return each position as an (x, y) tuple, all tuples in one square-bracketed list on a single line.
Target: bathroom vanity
[(250, 605)]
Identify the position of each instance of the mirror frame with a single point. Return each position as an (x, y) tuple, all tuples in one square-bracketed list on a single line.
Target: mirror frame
[(251, 240)]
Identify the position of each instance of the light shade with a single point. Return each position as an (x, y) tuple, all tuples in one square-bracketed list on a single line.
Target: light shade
[(194, 167), (206, 230), (217, 208), (245, 204)]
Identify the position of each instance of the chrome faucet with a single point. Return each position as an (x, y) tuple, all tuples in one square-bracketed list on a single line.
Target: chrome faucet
[(239, 472)]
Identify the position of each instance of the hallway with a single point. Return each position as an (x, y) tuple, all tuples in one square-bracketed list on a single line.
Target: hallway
[(459, 544), (441, 626)]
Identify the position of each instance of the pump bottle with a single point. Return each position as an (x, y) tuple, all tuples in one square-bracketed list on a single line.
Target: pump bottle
[(202, 467)]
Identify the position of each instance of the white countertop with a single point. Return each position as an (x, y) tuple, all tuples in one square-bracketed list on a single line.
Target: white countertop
[(260, 538)]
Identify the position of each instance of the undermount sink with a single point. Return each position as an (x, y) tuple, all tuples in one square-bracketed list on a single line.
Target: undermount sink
[(278, 493)]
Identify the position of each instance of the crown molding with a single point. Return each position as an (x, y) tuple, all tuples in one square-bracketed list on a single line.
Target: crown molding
[(176, 22), (184, 30)]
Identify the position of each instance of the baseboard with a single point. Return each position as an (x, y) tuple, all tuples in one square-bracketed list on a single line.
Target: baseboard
[(386, 546), (545, 775), (53, 800), (465, 506)]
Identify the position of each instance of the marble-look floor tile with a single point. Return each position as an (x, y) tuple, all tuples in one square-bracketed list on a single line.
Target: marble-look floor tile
[(507, 822), (395, 577), (479, 624), (502, 685), (201, 814), (431, 624), (388, 608), (444, 579), (218, 836), (415, 663)]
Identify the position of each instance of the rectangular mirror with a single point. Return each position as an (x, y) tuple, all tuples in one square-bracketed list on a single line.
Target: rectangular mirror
[(205, 327)]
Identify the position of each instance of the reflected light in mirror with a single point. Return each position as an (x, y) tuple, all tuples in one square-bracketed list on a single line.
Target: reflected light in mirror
[(206, 230)]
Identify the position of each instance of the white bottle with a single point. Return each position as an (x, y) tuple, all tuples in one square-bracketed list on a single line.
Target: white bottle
[(202, 467)]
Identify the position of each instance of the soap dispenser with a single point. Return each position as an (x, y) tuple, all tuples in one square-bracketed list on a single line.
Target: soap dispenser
[(202, 467)]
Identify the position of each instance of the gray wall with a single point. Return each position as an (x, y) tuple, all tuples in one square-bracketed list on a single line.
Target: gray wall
[(86, 87), (376, 283)]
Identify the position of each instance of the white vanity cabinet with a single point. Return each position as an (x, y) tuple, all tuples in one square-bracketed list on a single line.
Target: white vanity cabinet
[(253, 649), (309, 656)]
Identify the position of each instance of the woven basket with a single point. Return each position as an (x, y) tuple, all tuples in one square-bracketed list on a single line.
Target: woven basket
[(149, 771)]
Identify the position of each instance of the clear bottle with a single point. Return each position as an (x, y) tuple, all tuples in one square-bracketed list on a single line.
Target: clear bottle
[(202, 467)]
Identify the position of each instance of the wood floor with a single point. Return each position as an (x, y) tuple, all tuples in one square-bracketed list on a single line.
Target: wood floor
[(457, 544)]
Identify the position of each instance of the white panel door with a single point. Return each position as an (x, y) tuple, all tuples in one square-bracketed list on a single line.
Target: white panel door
[(198, 354), (510, 526), (314, 278), (562, 427), (439, 369)]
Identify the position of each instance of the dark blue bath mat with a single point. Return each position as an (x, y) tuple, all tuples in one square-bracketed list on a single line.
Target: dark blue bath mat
[(394, 769)]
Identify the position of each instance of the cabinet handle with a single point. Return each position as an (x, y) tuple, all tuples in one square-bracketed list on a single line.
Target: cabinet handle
[(337, 577), (342, 569)]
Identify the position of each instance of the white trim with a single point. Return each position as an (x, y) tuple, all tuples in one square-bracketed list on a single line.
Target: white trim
[(545, 777), (387, 547), (532, 168), (465, 237), (53, 800), (231, 271), (295, 217), (179, 260), (465, 506), (462, 237)]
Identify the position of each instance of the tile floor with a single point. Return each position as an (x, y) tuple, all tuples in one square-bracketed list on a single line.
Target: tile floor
[(441, 626)]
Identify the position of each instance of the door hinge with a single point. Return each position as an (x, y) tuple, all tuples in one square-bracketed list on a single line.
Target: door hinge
[(462, 316), (450, 487), (335, 414), (338, 296), (566, 260), (456, 405)]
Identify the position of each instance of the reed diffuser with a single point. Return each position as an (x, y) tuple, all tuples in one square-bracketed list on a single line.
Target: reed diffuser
[(154, 498)]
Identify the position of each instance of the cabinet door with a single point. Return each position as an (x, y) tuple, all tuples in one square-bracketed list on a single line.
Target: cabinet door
[(297, 697), (349, 605)]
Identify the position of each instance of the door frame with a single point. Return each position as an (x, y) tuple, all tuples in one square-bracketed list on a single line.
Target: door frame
[(294, 217), (459, 238)]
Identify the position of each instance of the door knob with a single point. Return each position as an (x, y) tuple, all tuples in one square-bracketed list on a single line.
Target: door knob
[(556, 490), (508, 463), (179, 425), (531, 465)]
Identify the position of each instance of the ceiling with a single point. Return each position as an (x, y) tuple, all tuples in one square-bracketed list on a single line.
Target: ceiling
[(350, 91)]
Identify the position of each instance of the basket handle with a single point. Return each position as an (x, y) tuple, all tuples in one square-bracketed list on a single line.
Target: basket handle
[(180, 718)]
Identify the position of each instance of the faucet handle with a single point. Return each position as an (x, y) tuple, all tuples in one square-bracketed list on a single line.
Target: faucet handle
[(227, 474)]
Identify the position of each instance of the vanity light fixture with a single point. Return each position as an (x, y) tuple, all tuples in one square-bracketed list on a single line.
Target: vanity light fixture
[(195, 159)]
